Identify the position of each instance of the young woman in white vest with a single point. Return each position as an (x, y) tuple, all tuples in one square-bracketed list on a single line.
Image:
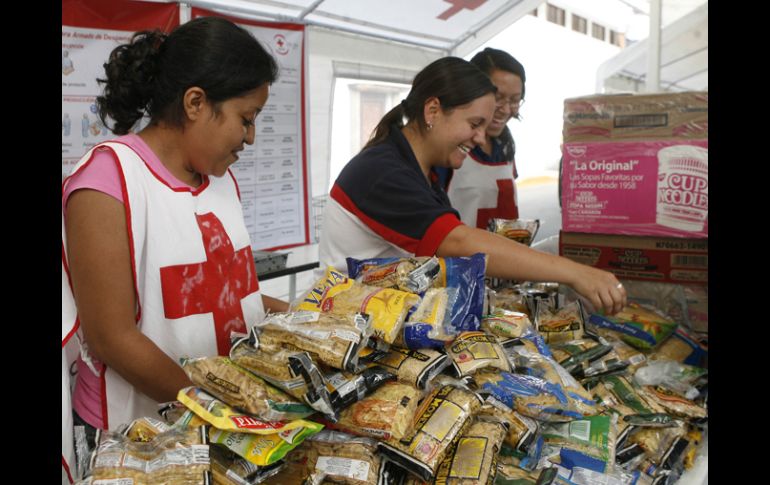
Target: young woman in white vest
[(387, 201), (484, 187), (156, 258)]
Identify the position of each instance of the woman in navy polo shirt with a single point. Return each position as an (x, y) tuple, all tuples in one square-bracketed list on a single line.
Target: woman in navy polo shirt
[(387, 200)]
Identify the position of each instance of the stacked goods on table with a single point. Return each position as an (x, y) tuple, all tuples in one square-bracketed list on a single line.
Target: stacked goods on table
[(634, 195), (411, 371)]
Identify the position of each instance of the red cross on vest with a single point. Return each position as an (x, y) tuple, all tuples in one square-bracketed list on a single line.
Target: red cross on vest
[(215, 286), (506, 208), (458, 5)]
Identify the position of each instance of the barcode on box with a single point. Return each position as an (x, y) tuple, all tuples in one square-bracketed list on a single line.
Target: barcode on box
[(689, 261)]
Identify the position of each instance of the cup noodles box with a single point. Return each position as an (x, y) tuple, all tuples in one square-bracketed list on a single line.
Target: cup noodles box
[(643, 188), (619, 117), (670, 260)]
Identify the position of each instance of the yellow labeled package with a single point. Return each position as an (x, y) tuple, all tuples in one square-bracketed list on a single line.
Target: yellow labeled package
[(243, 390), (338, 294), (222, 416), (522, 430), (473, 458), (263, 450), (415, 367), (440, 420), (145, 429), (472, 351)]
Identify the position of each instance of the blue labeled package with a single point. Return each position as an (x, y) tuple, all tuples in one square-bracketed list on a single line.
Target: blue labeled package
[(465, 275)]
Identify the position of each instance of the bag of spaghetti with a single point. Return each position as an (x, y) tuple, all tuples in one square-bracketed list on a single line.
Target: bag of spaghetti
[(413, 274), (520, 230), (441, 418), (227, 468), (640, 326), (529, 360), (472, 351), (336, 293), (332, 339), (270, 362), (472, 460), (243, 390), (174, 457), (414, 367)]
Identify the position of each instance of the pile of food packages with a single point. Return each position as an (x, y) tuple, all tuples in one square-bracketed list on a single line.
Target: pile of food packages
[(414, 371)]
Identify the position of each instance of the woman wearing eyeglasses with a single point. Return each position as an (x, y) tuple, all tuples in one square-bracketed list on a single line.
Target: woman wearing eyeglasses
[(485, 186)]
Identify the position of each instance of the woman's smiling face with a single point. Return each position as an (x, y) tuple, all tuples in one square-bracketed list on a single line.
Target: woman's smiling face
[(456, 131)]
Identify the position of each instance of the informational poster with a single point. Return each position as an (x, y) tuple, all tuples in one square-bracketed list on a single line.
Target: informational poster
[(272, 173)]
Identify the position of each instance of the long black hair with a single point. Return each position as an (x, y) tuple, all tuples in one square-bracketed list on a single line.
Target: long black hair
[(151, 73), (452, 80)]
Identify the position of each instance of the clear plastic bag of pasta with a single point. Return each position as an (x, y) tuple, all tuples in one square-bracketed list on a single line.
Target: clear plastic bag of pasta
[(270, 362), (439, 421), (173, 457), (333, 339), (472, 351), (414, 367), (385, 414), (520, 230), (413, 274), (472, 460), (465, 304), (529, 358), (337, 294), (227, 468), (243, 390)]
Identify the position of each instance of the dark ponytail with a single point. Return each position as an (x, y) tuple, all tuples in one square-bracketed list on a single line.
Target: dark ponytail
[(454, 81), (151, 73)]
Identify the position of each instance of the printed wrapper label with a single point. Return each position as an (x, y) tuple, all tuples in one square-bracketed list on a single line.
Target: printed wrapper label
[(468, 458), (644, 188), (443, 420), (346, 467), (222, 416)]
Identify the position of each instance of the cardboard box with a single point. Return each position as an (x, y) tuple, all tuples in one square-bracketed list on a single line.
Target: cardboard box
[(643, 188), (629, 117), (671, 260)]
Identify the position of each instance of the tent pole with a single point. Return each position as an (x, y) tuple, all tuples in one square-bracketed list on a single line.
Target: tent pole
[(653, 53)]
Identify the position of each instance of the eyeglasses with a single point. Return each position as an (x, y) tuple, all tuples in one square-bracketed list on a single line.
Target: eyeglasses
[(512, 103)]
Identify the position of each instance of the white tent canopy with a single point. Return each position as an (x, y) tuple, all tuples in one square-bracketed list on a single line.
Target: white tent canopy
[(683, 58), (456, 27)]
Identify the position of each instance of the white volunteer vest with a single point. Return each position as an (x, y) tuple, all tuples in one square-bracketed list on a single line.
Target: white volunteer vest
[(483, 189), (194, 274)]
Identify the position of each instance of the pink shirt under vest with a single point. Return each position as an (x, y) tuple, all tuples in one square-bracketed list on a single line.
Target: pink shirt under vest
[(102, 175)]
